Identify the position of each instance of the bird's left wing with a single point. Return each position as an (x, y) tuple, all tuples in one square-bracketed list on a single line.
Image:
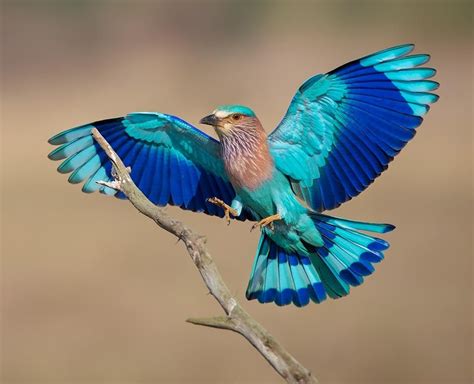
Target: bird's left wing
[(172, 162), (344, 127)]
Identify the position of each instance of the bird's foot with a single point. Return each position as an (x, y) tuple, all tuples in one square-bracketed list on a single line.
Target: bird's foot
[(266, 221), (228, 210)]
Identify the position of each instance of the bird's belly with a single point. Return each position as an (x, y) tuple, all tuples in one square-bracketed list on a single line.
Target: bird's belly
[(276, 196), (273, 196), (259, 201)]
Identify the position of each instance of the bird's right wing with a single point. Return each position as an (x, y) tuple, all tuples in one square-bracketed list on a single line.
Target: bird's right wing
[(172, 162)]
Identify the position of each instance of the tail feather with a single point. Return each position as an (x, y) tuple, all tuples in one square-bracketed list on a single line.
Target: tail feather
[(316, 291), (300, 280), (330, 270), (271, 278), (355, 225)]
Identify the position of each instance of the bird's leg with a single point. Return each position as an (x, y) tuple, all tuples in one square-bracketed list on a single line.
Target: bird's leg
[(266, 221), (228, 210)]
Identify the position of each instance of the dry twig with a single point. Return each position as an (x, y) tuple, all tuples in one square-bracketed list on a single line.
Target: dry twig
[(236, 318)]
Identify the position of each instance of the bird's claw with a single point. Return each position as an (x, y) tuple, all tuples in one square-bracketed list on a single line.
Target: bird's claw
[(267, 221), (228, 210)]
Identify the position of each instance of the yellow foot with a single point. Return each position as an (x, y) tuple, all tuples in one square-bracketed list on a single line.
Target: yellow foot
[(266, 221), (228, 210)]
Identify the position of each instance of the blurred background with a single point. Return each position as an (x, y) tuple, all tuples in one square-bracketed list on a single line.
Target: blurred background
[(92, 292)]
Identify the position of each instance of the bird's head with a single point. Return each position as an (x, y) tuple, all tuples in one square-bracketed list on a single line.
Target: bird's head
[(228, 120)]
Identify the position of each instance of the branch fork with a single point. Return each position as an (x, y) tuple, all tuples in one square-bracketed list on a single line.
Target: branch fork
[(236, 319)]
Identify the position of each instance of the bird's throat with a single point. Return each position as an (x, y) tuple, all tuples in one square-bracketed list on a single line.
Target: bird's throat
[(247, 159)]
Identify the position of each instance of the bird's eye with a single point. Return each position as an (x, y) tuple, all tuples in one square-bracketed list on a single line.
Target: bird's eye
[(236, 117)]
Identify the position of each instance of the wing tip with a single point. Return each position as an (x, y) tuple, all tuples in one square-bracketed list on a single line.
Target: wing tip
[(407, 46), (400, 49), (54, 154), (56, 139), (388, 228), (433, 71)]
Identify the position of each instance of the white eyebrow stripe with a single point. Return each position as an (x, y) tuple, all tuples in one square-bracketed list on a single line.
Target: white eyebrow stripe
[(221, 114)]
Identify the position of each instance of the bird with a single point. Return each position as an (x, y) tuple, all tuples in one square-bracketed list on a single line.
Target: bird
[(341, 130)]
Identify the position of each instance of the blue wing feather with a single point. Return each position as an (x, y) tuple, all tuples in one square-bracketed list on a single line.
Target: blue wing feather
[(139, 167), (146, 184)]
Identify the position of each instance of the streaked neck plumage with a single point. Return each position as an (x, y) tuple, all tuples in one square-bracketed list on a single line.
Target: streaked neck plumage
[(247, 160)]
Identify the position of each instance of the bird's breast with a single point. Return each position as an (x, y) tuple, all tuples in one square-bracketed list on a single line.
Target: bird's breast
[(248, 171)]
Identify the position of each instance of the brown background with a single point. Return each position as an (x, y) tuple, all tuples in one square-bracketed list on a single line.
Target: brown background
[(94, 293)]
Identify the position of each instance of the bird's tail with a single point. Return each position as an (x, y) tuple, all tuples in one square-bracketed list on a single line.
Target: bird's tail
[(343, 261)]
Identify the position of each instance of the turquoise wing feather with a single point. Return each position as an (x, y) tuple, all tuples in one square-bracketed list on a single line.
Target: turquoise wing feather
[(343, 128), (172, 162)]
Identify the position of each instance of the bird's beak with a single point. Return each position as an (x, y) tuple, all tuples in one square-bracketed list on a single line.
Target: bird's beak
[(209, 120)]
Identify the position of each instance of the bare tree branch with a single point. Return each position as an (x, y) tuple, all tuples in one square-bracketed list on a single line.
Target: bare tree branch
[(236, 319)]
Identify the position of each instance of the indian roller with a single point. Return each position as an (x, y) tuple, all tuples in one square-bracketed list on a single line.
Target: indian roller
[(339, 133)]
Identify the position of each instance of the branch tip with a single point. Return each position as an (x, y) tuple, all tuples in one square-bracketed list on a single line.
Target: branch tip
[(223, 322), (111, 184)]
